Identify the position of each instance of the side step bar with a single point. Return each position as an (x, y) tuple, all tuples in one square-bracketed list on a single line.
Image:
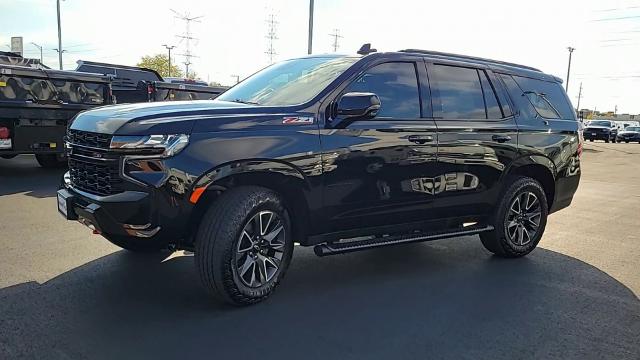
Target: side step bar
[(345, 247)]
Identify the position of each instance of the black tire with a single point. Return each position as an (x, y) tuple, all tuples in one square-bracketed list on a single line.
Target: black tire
[(591, 140), (136, 244), (499, 241), (220, 237), (51, 161), (607, 141), (626, 141)]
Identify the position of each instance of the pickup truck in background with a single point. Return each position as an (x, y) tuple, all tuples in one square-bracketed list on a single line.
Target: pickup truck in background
[(131, 84), (36, 105)]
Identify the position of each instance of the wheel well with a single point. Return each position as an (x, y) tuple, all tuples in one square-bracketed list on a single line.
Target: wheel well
[(290, 189), (543, 175)]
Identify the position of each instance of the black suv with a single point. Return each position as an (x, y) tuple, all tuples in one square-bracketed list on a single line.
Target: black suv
[(601, 130), (343, 153)]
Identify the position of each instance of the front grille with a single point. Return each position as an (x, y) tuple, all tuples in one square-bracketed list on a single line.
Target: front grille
[(92, 167), (95, 178), (89, 139)]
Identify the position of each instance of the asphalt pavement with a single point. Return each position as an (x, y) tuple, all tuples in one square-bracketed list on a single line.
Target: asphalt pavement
[(68, 294)]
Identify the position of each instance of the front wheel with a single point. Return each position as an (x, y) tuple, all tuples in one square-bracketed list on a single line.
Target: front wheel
[(519, 220), (244, 245)]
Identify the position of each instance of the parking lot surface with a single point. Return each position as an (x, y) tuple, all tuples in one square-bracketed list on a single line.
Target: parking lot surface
[(65, 293)]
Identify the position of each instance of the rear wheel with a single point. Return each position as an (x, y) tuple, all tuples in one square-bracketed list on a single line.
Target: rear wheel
[(519, 220), (244, 245), (51, 161)]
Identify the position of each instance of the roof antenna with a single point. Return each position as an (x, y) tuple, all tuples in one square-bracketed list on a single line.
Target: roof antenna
[(366, 49)]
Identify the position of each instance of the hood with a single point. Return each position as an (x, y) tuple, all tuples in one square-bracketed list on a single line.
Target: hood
[(622, 132), (171, 117), (597, 127)]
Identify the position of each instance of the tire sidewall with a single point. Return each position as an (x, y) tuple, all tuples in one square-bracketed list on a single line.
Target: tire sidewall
[(271, 204), (520, 185)]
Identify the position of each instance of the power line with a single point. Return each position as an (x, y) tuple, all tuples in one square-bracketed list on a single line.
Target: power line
[(271, 36), (335, 35), (187, 36)]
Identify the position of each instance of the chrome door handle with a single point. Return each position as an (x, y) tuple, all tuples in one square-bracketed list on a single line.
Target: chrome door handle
[(501, 138), (420, 139)]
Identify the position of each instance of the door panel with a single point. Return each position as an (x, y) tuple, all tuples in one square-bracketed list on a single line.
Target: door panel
[(374, 171), (373, 168), (476, 140)]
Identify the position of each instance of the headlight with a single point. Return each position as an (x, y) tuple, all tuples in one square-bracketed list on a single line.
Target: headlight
[(162, 145)]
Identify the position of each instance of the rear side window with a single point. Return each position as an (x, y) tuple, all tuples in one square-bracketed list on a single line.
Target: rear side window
[(396, 84), (493, 107), (460, 93), (547, 97)]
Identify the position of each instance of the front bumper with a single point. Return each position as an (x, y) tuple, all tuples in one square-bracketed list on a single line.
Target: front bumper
[(626, 137), (597, 136), (124, 214)]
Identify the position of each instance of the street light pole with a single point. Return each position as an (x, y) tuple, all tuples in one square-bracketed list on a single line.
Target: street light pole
[(310, 42), (59, 36), (169, 48), (569, 68)]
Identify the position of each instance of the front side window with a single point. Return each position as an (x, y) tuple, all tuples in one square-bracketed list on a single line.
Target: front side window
[(396, 84), (290, 82), (460, 93)]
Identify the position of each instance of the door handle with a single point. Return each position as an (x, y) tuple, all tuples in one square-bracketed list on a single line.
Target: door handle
[(501, 138), (420, 139)]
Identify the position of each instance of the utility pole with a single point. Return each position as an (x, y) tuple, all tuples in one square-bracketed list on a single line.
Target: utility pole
[(237, 77), (272, 36), (60, 56), (187, 36), (39, 48), (60, 51), (579, 96), (310, 41), (569, 68), (335, 35), (169, 49)]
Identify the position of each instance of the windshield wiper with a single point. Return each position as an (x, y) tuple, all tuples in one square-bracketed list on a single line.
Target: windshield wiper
[(244, 102)]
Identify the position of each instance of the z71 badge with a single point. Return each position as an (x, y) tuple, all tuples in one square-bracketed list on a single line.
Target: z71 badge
[(297, 120)]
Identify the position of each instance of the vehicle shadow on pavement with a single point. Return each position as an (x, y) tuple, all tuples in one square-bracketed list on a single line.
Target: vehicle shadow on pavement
[(444, 299), (23, 175)]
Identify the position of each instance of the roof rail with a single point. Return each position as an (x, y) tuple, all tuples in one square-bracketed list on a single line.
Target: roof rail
[(467, 57)]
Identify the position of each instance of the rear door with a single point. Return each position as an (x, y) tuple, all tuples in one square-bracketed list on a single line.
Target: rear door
[(477, 137), (372, 168)]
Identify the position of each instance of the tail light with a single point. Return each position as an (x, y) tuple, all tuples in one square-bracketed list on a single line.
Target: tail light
[(4, 132), (580, 143)]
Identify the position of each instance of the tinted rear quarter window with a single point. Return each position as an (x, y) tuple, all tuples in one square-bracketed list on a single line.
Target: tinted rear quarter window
[(550, 91)]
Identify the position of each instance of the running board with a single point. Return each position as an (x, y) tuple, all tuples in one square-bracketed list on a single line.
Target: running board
[(345, 247)]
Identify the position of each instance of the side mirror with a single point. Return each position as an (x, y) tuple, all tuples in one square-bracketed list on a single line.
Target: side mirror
[(358, 105)]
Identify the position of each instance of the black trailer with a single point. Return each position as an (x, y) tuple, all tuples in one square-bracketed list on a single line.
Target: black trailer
[(37, 104), (131, 84)]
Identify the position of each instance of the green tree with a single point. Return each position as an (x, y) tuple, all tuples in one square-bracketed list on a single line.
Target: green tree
[(160, 63)]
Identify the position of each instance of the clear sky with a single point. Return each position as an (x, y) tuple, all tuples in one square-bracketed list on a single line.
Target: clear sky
[(232, 34)]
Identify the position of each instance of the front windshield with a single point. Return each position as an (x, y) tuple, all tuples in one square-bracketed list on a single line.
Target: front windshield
[(632, 128), (289, 82), (600, 123)]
